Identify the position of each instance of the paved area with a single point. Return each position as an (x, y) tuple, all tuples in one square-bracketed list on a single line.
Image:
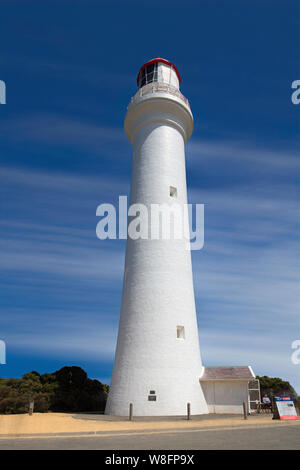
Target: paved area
[(94, 431), (268, 438), (48, 423)]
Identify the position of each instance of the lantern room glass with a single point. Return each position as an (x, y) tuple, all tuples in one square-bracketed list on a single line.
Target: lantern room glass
[(148, 75)]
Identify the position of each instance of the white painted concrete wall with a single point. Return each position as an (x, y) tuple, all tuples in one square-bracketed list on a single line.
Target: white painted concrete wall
[(167, 75), (225, 396), (158, 293)]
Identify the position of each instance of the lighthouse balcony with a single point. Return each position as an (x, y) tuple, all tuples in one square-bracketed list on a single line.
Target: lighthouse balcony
[(158, 88)]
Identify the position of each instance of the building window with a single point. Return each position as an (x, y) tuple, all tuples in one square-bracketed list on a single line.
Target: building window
[(180, 332), (173, 191), (152, 392)]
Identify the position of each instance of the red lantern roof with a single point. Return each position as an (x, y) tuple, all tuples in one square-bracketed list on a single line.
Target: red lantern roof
[(159, 59)]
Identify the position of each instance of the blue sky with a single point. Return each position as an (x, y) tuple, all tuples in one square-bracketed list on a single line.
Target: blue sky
[(70, 69)]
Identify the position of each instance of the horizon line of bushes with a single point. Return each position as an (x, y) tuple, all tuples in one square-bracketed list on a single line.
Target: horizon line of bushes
[(70, 390)]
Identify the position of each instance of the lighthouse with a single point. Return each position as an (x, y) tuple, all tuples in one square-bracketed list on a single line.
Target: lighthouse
[(157, 363)]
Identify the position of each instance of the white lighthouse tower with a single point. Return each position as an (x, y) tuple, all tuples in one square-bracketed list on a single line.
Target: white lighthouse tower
[(157, 363)]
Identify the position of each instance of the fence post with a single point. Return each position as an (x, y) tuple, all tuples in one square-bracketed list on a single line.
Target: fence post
[(188, 411), (258, 407), (245, 410), (130, 411), (31, 407)]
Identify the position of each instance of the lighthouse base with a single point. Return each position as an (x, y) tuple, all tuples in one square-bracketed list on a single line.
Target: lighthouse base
[(168, 398)]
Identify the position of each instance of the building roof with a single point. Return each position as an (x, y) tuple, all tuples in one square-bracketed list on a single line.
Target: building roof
[(228, 373), (159, 59)]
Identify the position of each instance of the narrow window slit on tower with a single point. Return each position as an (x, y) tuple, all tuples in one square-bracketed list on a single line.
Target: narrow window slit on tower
[(173, 191), (180, 332)]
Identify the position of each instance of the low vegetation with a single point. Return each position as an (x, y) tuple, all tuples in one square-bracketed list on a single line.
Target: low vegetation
[(68, 389), (274, 386)]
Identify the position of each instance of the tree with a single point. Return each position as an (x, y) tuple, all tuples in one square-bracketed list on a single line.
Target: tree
[(275, 386), (76, 392), (68, 389)]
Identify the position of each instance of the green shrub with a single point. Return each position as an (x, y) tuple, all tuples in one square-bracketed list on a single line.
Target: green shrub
[(68, 389)]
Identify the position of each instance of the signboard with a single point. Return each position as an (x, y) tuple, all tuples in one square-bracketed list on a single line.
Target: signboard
[(286, 408), (151, 397)]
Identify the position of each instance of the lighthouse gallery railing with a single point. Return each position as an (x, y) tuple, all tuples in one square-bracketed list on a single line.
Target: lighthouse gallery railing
[(157, 87)]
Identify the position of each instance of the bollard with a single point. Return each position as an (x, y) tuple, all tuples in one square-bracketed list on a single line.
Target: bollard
[(245, 410), (258, 407), (130, 411), (188, 411), (31, 407)]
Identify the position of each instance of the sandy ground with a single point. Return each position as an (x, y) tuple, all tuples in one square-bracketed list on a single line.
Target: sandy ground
[(48, 423)]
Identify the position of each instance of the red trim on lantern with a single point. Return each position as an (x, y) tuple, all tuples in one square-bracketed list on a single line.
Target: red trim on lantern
[(153, 61)]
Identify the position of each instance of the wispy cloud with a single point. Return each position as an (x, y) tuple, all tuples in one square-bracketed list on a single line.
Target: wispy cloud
[(267, 354), (55, 129), (246, 277), (64, 71), (242, 153), (61, 181), (63, 333)]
